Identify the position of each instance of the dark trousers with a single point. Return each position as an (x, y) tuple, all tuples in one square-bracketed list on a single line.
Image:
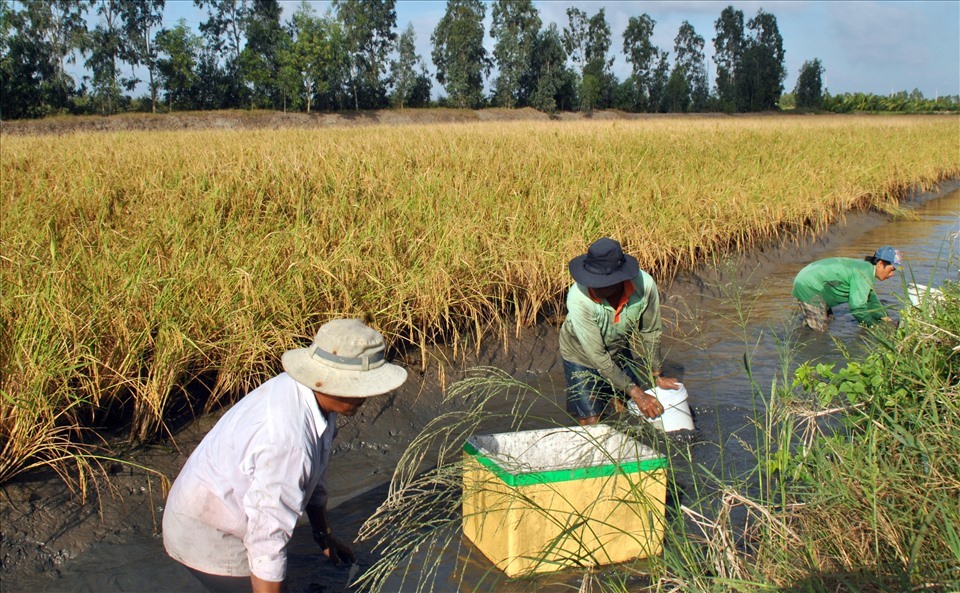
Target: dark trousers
[(216, 583), (589, 394)]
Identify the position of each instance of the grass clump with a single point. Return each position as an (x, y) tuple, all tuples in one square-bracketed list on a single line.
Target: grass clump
[(886, 490)]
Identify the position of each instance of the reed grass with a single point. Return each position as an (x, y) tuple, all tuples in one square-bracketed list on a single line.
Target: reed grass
[(134, 262), (886, 493)]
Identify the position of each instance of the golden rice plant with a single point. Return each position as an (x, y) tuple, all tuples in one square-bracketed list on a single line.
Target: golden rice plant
[(147, 259)]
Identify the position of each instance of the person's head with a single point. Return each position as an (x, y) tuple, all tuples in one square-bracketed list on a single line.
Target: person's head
[(344, 366), (885, 261), (604, 267)]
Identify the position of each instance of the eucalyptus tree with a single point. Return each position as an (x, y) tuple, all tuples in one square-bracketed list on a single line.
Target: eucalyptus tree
[(458, 52), (301, 60), (676, 93), (317, 57), (7, 61), (809, 88), (515, 26), (225, 35), (61, 28), (178, 51), (215, 88), (760, 80), (408, 72), (587, 41), (39, 40), (260, 58), (625, 95), (688, 48), (288, 79), (553, 83), (575, 37), (660, 81), (224, 27), (335, 92), (729, 46), (369, 28), (643, 57), (140, 19), (24, 64), (107, 41)]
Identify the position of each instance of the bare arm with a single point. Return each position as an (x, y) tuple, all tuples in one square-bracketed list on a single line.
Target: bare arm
[(261, 586), (332, 547)]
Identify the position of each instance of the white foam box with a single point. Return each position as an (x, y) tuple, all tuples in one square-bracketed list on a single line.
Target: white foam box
[(543, 500)]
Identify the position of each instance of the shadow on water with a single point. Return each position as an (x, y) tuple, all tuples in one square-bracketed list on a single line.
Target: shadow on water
[(738, 310)]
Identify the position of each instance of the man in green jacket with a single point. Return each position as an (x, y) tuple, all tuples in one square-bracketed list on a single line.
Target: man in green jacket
[(612, 327), (822, 285)]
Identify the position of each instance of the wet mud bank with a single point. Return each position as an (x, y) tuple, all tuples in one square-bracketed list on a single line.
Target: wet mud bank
[(50, 541)]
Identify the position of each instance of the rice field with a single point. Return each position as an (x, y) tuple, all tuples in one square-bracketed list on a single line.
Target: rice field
[(135, 264)]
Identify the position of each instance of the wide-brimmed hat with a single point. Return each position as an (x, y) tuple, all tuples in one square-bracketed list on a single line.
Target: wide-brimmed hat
[(889, 254), (345, 359), (604, 264)]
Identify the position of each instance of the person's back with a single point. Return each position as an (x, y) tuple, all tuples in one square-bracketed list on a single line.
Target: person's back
[(834, 281), (229, 485), (826, 283)]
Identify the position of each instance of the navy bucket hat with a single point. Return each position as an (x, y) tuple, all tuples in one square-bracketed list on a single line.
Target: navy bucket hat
[(604, 264)]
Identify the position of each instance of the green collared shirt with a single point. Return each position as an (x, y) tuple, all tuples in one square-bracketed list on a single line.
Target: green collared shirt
[(837, 280), (597, 334)]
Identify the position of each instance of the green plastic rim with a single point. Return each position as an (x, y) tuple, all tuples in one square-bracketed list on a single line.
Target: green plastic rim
[(564, 475)]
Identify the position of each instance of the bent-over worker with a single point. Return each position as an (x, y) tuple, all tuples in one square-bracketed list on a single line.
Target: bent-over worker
[(613, 310), (233, 508), (826, 283)]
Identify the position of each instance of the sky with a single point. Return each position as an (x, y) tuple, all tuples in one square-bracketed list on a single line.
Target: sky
[(870, 46)]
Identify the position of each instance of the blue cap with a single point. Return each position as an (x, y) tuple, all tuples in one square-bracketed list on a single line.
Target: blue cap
[(887, 253)]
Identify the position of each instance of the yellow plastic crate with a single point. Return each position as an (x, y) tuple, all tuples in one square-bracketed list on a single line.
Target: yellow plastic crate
[(542, 500)]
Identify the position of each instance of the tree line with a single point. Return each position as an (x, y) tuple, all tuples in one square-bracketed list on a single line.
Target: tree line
[(353, 57)]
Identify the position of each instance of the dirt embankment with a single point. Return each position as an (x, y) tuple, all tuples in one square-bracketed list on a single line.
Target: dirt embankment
[(272, 120)]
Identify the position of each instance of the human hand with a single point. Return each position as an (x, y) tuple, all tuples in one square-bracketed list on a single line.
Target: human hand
[(649, 405), (667, 382), (337, 551)]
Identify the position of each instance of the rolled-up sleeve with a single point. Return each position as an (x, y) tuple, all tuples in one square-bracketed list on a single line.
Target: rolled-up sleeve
[(273, 505), (864, 304)]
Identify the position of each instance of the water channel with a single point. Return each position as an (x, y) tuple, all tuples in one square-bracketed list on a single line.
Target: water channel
[(739, 306)]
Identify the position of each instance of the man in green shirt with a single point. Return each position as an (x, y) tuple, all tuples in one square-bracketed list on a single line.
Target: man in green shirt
[(612, 327), (822, 285)]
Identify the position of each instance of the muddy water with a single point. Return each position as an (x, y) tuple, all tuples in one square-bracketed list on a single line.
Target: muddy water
[(739, 307)]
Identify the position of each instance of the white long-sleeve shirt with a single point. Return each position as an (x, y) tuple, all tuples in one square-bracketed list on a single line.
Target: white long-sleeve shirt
[(232, 509)]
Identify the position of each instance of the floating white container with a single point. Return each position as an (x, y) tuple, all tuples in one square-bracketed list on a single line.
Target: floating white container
[(676, 411), (917, 293)]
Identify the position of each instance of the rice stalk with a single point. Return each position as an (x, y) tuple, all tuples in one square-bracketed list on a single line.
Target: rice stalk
[(172, 255)]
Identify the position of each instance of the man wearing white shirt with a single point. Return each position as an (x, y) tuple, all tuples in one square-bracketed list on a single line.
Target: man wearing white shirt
[(233, 508)]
